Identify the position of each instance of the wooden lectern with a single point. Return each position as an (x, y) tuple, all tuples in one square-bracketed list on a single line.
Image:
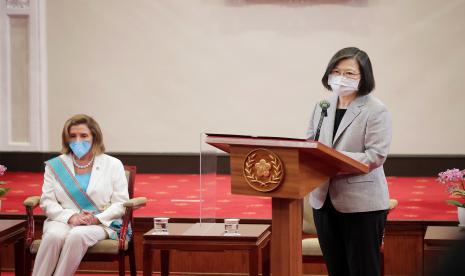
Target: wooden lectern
[(286, 170)]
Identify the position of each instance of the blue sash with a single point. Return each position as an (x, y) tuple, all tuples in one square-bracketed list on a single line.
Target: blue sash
[(71, 186), (77, 194)]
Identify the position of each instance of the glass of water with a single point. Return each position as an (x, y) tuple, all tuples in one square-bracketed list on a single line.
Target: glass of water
[(160, 226), (231, 227)]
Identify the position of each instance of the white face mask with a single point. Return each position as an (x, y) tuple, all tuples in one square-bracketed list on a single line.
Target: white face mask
[(342, 86)]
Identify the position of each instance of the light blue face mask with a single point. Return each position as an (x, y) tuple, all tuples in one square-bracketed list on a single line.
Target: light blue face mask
[(80, 148)]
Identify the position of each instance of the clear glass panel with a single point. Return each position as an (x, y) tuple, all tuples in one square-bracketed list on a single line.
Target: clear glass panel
[(19, 48), (208, 181)]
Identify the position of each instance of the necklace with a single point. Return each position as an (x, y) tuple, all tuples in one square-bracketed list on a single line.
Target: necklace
[(83, 166)]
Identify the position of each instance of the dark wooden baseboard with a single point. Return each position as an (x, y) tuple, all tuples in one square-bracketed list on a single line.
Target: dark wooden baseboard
[(188, 163)]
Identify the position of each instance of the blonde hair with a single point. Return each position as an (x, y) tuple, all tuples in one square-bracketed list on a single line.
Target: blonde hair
[(97, 138)]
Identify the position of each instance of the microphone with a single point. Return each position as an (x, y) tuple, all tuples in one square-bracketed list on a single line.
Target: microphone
[(324, 104)]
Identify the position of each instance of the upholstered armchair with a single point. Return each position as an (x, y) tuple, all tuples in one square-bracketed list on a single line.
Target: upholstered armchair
[(106, 250)]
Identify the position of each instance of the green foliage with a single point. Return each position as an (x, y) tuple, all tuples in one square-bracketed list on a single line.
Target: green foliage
[(3, 191), (458, 192), (456, 203)]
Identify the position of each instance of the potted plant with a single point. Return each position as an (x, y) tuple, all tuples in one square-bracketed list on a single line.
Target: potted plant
[(455, 182), (3, 191)]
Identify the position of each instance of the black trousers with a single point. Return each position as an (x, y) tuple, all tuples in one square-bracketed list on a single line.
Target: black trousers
[(350, 242)]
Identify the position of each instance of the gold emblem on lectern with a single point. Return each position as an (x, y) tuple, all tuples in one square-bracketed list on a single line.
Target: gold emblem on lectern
[(263, 170)]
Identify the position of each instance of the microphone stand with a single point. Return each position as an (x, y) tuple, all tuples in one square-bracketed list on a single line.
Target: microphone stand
[(324, 113)]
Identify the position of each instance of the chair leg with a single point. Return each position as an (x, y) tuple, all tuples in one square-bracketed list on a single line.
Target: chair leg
[(132, 260), (27, 263), (122, 268)]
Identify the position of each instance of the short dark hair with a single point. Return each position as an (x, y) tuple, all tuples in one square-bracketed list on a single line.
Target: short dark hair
[(367, 80), (97, 138)]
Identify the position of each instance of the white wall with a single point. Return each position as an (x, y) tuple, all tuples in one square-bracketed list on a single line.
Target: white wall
[(157, 73)]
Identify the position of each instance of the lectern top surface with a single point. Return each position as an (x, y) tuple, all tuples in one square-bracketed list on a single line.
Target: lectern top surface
[(259, 141), (254, 137), (334, 158)]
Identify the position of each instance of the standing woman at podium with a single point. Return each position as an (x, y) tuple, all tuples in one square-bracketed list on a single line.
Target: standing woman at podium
[(350, 210)]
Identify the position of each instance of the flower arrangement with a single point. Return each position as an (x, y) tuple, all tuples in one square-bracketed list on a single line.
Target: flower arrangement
[(455, 181), (3, 191)]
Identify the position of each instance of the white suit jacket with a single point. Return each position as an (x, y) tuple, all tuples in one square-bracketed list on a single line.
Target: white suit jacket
[(364, 134), (108, 188)]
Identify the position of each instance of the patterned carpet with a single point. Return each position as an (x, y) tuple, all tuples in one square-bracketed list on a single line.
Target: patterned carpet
[(172, 195)]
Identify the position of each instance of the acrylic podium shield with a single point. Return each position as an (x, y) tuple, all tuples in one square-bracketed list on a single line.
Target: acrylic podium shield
[(286, 170), (209, 156)]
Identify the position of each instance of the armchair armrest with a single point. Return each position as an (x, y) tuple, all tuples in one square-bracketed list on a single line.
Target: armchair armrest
[(130, 205), (32, 201), (135, 202)]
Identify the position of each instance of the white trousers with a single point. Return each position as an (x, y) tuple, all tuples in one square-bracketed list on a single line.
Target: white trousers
[(63, 247)]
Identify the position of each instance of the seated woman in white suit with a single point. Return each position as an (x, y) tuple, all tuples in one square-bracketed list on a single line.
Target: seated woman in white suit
[(82, 196), (350, 210)]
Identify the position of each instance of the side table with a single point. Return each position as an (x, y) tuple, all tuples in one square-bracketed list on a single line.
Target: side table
[(208, 237), (438, 241), (13, 231)]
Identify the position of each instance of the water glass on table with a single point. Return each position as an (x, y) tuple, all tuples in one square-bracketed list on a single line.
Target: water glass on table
[(231, 227), (160, 226)]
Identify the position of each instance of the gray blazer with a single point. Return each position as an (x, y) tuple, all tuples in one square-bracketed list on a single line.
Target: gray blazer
[(364, 134)]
